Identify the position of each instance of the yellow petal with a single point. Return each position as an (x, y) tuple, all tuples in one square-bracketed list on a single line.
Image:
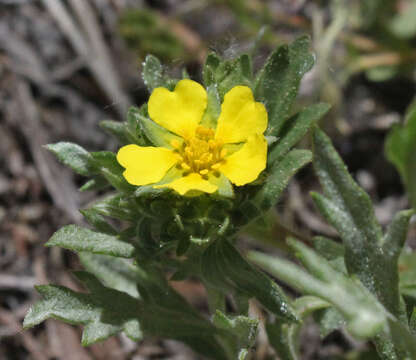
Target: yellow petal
[(181, 110), (190, 182), (245, 165), (145, 165), (240, 116)]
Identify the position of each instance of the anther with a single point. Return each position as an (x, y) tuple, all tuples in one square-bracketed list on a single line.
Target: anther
[(175, 143)]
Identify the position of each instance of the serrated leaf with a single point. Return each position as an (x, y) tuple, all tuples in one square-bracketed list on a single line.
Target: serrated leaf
[(224, 267), (284, 337), (116, 273), (295, 129), (329, 320), (225, 74), (279, 176), (154, 76), (115, 206), (73, 237), (365, 316), (117, 129), (278, 82), (73, 156), (103, 314), (348, 208), (96, 183), (98, 222), (332, 251), (106, 164), (400, 148), (241, 333), (153, 73)]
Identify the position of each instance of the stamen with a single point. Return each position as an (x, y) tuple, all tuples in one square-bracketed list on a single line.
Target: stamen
[(201, 153), (175, 144)]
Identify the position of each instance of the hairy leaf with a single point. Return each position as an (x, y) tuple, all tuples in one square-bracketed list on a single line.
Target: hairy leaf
[(74, 156), (279, 176), (295, 129), (278, 82), (73, 237), (224, 267), (400, 149)]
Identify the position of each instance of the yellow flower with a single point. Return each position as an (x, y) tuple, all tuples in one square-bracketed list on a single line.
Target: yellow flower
[(196, 152)]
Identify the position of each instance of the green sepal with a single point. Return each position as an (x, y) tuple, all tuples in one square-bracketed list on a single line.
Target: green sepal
[(226, 74), (157, 134), (106, 164), (213, 109)]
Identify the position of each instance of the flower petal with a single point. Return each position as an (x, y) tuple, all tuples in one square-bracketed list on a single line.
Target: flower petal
[(145, 165), (190, 182), (181, 110), (245, 165), (240, 116)]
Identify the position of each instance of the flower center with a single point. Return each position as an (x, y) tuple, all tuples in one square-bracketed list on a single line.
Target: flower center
[(201, 153)]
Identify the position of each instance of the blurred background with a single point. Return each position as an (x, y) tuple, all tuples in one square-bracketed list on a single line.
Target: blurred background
[(67, 65)]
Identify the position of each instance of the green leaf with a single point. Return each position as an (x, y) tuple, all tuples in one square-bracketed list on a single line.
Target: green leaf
[(278, 82), (115, 206), (98, 222), (96, 183), (284, 337), (157, 134), (116, 273), (278, 177), (153, 73), (117, 129), (224, 267), (295, 129), (348, 208), (210, 68), (133, 125), (73, 237), (74, 156), (225, 74), (332, 251), (213, 109), (403, 24), (400, 148), (364, 315), (329, 320), (241, 333), (105, 163), (104, 313)]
